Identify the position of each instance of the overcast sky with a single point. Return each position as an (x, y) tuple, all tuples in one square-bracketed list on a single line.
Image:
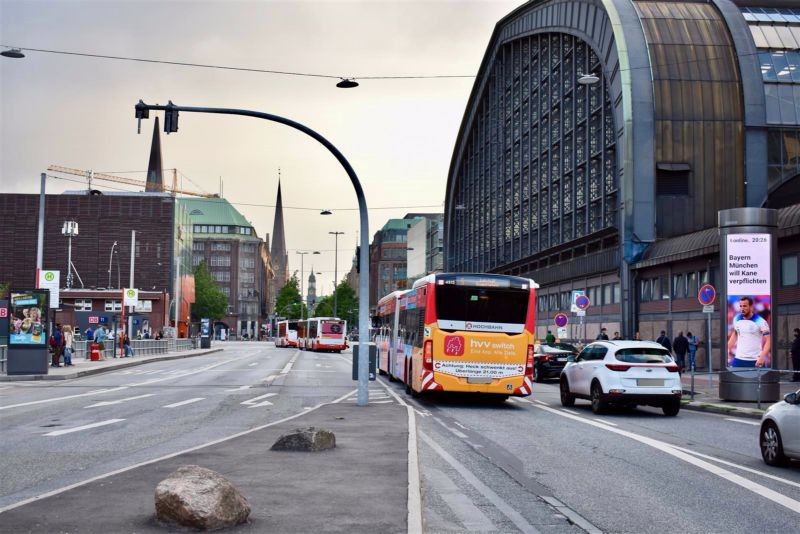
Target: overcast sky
[(397, 134)]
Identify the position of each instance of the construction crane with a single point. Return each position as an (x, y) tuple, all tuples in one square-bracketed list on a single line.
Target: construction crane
[(91, 175)]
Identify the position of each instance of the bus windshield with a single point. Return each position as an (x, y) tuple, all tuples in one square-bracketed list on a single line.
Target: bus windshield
[(481, 308)]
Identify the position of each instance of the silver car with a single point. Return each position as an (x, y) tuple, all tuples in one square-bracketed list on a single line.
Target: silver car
[(780, 431)]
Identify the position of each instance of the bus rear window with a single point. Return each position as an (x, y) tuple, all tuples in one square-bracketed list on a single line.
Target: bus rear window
[(331, 327), (482, 305)]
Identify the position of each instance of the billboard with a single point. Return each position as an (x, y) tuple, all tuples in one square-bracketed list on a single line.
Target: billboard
[(27, 322)]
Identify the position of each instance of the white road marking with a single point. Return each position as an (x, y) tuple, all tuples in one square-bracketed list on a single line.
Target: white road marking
[(182, 403), (605, 422), (744, 422), (537, 401), (253, 364), (240, 388), (571, 514), (469, 515), (421, 413), (570, 411), (743, 468), (109, 403), (672, 450), (253, 403), (270, 378), (460, 425), (43, 401), (382, 402), (482, 488), (84, 427)]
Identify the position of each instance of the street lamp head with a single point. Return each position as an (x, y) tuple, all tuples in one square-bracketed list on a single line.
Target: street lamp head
[(588, 79), (347, 83), (15, 53), (326, 212)]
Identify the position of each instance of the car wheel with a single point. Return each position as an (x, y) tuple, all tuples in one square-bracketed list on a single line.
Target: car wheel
[(538, 375), (598, 404), (772, 445), (671, 409), (567, 398)]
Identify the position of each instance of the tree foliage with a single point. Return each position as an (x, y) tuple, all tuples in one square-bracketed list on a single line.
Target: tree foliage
[(210, 301), (346, 304), (289, 302)]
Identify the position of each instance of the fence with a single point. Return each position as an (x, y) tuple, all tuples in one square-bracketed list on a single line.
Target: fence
[(141, 347)]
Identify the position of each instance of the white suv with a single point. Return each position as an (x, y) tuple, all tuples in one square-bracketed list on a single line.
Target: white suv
[(623, 372)]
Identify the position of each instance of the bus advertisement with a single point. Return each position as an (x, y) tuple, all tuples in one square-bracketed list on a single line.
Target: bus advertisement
[(325, 334), (464, 333)]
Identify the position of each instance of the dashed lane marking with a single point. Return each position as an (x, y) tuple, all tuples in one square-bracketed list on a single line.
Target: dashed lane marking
[(119, 401), (183, 403), (84, 427), (753, 423)]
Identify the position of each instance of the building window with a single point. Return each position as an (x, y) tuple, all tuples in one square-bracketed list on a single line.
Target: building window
[(221, 276), (224, 247), (226, 290), (198, 245), (678, 286), (247, 278), (113, 305), (220, 261), (789, 270), (196, 260), (83, 304), (248, 263)]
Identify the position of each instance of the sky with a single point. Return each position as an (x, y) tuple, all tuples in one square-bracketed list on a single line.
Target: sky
[(398, 135)]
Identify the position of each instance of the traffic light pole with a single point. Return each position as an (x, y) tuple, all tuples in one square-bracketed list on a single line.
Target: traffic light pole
[(171, 125)]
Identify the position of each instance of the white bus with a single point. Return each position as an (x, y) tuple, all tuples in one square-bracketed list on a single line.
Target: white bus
[(325, 334), (287, 334)]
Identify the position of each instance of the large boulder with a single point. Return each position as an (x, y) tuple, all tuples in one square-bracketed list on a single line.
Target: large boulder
[(306, 439), (197, 497)]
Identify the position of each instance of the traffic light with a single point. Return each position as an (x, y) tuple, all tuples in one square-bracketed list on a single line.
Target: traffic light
[(170, 119)]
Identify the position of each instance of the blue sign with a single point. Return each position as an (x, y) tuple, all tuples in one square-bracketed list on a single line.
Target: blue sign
[(136, 321), (103, 319), (707, 294), (561, 320), (582, 302)]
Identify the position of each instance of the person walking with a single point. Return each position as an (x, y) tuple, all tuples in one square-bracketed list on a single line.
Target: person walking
[(69, 345), (681, 346), (56, 346), (693, 344), (549, 339), (664, 341), (795, 352), (602, 335)]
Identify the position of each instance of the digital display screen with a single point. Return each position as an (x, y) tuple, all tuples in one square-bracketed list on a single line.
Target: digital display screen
[(27, 322)]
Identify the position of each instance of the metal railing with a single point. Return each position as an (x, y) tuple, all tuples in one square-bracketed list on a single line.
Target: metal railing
[(3, 357), (141, 347)]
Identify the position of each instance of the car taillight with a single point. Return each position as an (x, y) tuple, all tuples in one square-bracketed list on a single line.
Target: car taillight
[(427, 355), (618, 367), (545, 357), (529, 361), (672, 368)]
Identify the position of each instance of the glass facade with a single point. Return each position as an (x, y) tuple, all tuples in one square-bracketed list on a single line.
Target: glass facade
[(539, 169)]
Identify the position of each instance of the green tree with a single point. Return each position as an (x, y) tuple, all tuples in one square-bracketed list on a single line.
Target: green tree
[(324, 307), (289, 303), (209, 300), (346, 305)]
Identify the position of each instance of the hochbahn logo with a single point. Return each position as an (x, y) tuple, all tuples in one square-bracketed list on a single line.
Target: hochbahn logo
[(454, 345)]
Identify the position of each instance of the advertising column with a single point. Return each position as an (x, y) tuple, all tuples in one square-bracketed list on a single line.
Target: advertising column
[(747, 266), (27, 336)]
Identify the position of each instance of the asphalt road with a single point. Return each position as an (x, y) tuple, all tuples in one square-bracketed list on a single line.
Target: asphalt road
[(628, 471), (59, 433)]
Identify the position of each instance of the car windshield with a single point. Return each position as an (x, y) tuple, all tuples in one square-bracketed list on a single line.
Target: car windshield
[(643, 355), (563, 346)]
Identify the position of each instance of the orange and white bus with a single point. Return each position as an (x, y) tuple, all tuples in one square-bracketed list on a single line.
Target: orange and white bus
[(464, 332), (287, 334), (389, 345), (326, 334)]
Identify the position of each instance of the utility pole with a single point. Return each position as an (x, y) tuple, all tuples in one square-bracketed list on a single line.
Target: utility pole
[(335, 269), (133, 261)]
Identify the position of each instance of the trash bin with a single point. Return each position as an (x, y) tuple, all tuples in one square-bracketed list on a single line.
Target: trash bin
[(95, 352), (750, 385)]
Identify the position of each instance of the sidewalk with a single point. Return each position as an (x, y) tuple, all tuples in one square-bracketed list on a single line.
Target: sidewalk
[(360, 486), (707, 399), (82, 367)]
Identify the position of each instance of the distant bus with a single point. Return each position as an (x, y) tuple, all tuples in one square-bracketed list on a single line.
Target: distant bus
[(286, 335), (464, 333), (385, 337), (302, 329), (326, 334)]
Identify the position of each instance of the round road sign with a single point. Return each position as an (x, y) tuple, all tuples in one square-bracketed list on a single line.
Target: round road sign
[(707, 294), (582, 302), (561, 320)]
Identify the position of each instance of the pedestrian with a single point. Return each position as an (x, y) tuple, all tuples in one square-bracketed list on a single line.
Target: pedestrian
[(56, 346), (100, 337), (126, 343), (637, 336), (795, 352), (693, 344), (750, 341), (89, 334), (617, 337), (69, 345), (681, 346), (664, 341), (549, 338), (602, 334)]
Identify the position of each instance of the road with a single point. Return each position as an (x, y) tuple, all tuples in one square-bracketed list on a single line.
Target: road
[(524, 466), (628, 471), (60, 433)]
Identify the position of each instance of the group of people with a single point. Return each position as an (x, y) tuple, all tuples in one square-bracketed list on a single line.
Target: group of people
[(682, 346), (61, 343)]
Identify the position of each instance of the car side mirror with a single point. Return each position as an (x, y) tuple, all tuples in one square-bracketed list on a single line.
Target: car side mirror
[(791, 398), (571, 358)]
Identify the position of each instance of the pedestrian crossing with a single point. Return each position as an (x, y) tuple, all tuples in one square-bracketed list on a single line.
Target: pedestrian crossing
[(376, 396)]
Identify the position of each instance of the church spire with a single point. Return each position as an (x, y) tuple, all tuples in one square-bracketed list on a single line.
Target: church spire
[(278, 254), (155, 171)]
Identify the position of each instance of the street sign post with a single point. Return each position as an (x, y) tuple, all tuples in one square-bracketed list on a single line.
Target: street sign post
[(561, 320), (582, 302), (706, 297)]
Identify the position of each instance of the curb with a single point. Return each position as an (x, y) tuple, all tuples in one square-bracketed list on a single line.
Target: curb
[(723, 409), (99, 370)]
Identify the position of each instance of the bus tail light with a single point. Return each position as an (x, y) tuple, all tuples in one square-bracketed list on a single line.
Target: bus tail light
[(529, 361), (427, 356)]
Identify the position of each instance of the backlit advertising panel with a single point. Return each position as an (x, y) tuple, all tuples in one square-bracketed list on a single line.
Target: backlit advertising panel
[(27, 322), (749, 299)]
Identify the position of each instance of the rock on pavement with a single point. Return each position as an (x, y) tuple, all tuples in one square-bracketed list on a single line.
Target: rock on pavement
[(306, 439)]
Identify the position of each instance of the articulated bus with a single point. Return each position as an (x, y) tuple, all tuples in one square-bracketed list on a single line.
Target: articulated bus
[(465, 333), (287, 334), (325, 334), (389, 345)]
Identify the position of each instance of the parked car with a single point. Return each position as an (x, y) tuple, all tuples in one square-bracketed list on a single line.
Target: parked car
[(779, 437), (629, 373), (550, 359)]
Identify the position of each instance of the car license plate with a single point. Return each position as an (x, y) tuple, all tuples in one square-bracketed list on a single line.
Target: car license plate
[(650, 381), (561, 359), (478, 380)]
